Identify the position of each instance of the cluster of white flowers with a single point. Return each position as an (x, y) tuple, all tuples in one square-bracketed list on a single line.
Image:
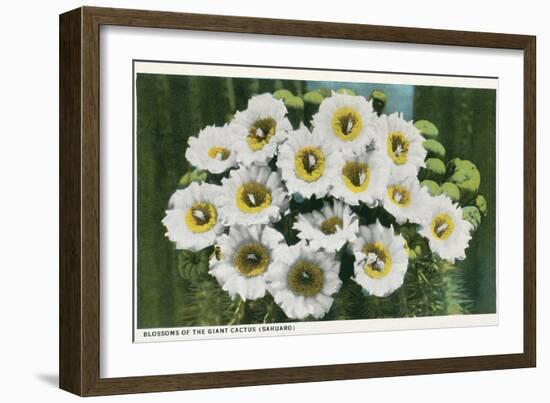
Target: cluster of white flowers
[(352, 156)]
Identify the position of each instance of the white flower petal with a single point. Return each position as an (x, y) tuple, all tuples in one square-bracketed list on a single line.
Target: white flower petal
[(455, 244), (231, 212), (406, 200), (248, 287), (415, 153), (394, 245), (295, 305), (309, 226), (362, 112), (174, 221), (372, 191), (328, 159), (260, 107), (213, 150)]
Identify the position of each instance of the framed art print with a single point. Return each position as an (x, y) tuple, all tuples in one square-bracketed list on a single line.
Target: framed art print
[(312, 196), (251, 201)]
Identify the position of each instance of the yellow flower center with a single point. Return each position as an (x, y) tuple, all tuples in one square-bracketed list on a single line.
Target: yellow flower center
[(346, 124), (378, 263), (309, 163), (253, 197), (305, 278), (331, 225), (251, 259), (201, 217), (442, 226), (261, 132), (356, 176), (219, 153), (399, 195), (398, 147)]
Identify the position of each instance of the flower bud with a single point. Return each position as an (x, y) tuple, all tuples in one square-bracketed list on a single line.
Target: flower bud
[(451, 190), (345, 91), (435, 169), (481, 204), (325, 92), (196, 175), (432, 186), (427, 128), (379, 100), (312, 100), (295, 106), (434, 148), (282, 94), (465, 175), (472, 215)]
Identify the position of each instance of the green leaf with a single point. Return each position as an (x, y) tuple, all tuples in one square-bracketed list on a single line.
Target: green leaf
[(427, 128)]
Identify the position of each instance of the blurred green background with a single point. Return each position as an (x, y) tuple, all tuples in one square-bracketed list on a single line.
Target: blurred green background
[(171, 108)]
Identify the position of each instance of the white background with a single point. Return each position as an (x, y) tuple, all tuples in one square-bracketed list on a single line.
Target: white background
[(120, 358), (29, 202)]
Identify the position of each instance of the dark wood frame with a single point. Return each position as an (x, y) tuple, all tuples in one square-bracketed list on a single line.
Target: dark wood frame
[(79, 200)]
